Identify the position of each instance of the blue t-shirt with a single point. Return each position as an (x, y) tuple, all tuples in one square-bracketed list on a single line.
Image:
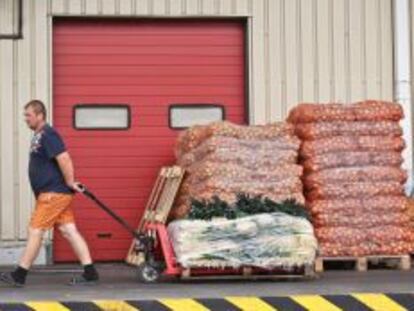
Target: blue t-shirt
[(44, 172)]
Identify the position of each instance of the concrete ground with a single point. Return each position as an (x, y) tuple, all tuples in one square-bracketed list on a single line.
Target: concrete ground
[(118, 282)]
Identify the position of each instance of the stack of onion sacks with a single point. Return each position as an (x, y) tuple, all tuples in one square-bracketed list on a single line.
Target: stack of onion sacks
[(410, 210), (353, 182), (223, 159)]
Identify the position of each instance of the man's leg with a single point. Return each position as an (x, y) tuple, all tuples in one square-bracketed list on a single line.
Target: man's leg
[(79, 246), (76, 240), (50, 209), (34, 242)]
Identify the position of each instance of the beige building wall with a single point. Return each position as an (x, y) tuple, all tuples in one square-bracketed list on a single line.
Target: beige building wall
[(299, 50)]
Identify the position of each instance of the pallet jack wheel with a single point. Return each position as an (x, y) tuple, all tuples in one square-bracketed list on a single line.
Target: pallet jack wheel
[(148, 273)]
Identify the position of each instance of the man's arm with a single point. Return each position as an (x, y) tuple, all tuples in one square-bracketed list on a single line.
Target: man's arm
[(66, 166)]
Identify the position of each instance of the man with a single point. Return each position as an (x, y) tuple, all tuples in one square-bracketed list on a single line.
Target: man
[(52, 179)]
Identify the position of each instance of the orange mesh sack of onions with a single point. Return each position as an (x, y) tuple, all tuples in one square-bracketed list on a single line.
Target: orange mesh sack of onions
[(195, 135), (351, 143), (356, 174), (355, 190), (343, 159), (369, 110), (317, 130), (372, 205)]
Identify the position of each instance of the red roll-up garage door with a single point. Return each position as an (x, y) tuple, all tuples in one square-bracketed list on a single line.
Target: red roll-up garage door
[(114, 83)]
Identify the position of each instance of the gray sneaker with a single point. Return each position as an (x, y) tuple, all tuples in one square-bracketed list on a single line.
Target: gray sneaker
[(7, 277)]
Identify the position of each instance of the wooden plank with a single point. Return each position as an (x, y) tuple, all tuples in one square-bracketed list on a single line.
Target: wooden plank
[(252, 277), (246, 272), (158, 205), (399, 262), (405, 263), (361, 264), (319, 265), (172, 185)]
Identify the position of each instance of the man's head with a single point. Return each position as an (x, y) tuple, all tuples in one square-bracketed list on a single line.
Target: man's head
[(35, 114)]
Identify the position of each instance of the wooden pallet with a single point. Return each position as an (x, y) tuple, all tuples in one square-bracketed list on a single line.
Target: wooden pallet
[(308, 272), (402, 262), (159, 204)]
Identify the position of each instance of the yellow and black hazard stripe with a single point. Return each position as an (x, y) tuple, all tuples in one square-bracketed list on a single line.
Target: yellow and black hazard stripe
[(352, 302)]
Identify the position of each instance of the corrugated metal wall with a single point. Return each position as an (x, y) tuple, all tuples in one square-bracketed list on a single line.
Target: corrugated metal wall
[(412, 54), (9, 23), (300, 50)]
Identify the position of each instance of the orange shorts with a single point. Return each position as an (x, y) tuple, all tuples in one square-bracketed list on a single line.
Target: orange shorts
[(52, 209)]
